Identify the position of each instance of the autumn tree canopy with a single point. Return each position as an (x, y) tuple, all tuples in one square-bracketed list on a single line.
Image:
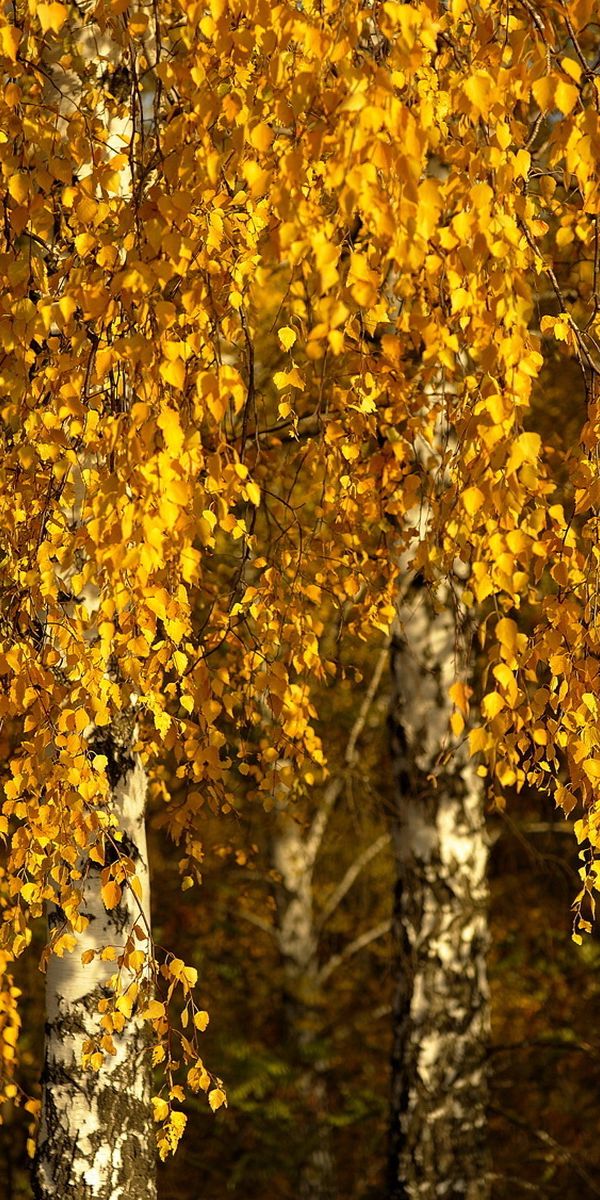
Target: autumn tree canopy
[(276, 286)]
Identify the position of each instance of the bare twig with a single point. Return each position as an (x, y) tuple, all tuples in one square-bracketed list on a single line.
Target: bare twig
[(560, 1152), (253, 919), (359, 943), (349, 878), (332, 792)]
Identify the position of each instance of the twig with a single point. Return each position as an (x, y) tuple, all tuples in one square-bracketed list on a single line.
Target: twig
[(348, 879), (546, 1139), (332, 792), (359, 943)]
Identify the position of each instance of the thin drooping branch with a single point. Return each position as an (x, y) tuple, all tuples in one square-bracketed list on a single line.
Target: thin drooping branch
[(321, 819), (559, 1151), (359, 943), (350, 877)]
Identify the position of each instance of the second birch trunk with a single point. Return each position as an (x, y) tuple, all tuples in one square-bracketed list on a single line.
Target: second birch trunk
[(298, 947), (438, 1119)]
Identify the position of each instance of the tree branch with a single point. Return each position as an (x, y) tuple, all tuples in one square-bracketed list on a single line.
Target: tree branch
[(258, 921), (359, 943), (332, 792), (560, 1152), (348, 879)]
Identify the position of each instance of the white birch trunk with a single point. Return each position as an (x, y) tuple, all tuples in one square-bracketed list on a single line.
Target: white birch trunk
[(96, 1136), (438, 1123), (294, 858), (95, 1140)]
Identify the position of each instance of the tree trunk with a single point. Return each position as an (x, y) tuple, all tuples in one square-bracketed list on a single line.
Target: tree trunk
[(438, 1124), (293, 858), (96, 1135)]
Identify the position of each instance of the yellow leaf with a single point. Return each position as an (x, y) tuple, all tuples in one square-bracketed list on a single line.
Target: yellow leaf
[(111, 894), (179, 661), (173, 373), (155, 1011), (261, 137), (201, 1020), (10, 37), (479, 89), (478, 740), (507, 681), (84, 242), (507, 634), (492, 704), (572, 68), (543, 91), (253, 491), (566, 96), (67, 306), (124, 1004), (286, 336), (18, 186), (473, 498), (502, 135), (51, 16), (525, 448), (216, 1098), (592, 769), (459, 693), (283, 379), (168, 422), (175, 629), (189, 977), (160, 1108)]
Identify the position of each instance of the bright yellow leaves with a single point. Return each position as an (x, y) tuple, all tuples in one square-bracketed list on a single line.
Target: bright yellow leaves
[(244, 378), (481, 90), (560, 328), (363, 281), (51, 16), (507, 634), (525, 449), (284, 379), (287, 337), (19, 186), (216, 1098), (173, 373), (261, 137), (160, 1108), (111, 894), (565, 96), (473, 499), (10, 38)]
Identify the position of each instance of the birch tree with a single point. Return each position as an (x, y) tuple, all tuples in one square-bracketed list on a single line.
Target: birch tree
[(441, 1017)]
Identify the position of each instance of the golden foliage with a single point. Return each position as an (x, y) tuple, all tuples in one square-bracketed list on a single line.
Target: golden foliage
[(270, 288)]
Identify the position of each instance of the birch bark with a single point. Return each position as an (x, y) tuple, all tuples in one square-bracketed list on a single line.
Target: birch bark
[(96, 1136), (297, 940), (438, 1126), (96, 1140)]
